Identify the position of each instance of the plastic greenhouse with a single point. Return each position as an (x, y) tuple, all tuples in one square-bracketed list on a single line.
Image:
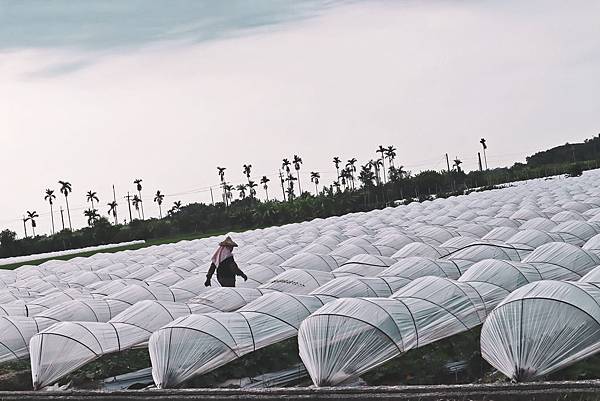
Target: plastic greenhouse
[(357, 290)]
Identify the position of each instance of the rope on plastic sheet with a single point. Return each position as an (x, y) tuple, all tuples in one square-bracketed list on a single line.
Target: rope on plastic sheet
[(86, 329), (390, 316), (277, 318), (19, 331), (117, 335), (413, 320), (386, 283), (322, 257), (557, 265), (92, 310), (198, 331), (69, 338), (521, 300), (251, 332), (584, 291), (329, 315), (433, 303), (166, 310), (485, 244), (495, 285), (222, 325)]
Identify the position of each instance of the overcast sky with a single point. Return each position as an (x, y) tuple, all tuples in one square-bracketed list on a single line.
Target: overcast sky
[(103, 92)]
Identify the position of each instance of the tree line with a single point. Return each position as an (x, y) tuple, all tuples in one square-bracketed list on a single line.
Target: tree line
[(378, 183)]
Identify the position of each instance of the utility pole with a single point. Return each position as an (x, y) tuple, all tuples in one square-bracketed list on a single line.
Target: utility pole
[(450, 179), (142, 206), (485, 158), (212, 200), (282, 187), (62, 217), (483, 143), (115, 200), (25, 225), (128, 197)]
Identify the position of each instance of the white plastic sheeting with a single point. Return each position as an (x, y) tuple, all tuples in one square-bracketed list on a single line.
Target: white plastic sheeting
[(541, 328), (216, 339), (199, 343), (544, 327), (80, 343), (525, 222), (341, 340)]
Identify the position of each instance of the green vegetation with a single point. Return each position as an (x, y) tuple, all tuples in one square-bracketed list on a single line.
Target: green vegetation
[(376, 184), (276, 357), (453, 360)]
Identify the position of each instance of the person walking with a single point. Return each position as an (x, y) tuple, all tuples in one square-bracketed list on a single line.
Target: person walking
[(222, 261)]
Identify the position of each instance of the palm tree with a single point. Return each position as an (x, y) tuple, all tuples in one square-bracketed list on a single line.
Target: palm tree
[(345, 177), (242, 189), (401, 172), (138, 183), (314, 177), (50, 198), (265, 181), (378, 166), (366, 175), (297, 162), (136, 201), (336, 184), (285, 164), (32, 216), (484, 145), (92, 215), (251, 185), (351, 166), (390, 152), (396, 173), (282, 180), (113, 210), (247, 169), (290, 191), (158, 198), (91, 197), (228, 194), (65, 189), (457, 163), (382, 150), (221, 172), (25, 219), (175, 209), (225, 198), (336, 162)]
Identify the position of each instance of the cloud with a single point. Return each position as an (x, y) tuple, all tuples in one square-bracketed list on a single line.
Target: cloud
[(107, 24), (428, 77), (96, 28)]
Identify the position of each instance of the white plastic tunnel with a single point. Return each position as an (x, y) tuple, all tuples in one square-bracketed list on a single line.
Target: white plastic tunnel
[(200, 343), (439, 308), (131, 328), (542, 327)]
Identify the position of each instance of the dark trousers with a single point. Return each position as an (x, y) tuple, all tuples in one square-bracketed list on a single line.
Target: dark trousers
[(226, 281)]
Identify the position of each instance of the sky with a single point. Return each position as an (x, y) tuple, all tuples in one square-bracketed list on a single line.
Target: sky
[(99, 93)]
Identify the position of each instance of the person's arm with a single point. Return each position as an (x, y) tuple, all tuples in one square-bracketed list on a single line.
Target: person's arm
[(237, 270), (209, 275)]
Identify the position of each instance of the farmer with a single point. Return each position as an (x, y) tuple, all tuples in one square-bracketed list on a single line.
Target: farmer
[(226, 267)]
